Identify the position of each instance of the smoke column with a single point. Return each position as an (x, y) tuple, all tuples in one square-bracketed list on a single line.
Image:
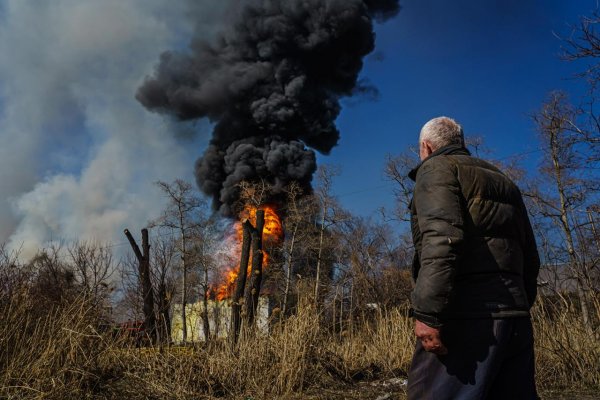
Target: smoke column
[(272, 83)]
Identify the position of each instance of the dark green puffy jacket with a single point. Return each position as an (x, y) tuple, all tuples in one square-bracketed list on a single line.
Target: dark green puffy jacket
[(475, 253)]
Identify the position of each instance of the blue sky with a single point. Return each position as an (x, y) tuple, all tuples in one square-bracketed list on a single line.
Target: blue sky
[(488, 64), (80, 155)]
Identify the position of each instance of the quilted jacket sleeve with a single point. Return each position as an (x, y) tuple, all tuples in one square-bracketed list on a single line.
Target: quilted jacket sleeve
[(439, 209)]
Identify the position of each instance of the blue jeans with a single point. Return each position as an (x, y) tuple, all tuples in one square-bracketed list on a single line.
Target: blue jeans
[(487, 359)]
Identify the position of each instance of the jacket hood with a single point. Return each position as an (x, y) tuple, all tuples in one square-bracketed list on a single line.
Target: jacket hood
[(446, 150)]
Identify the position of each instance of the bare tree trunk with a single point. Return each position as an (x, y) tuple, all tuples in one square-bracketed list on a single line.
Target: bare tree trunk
[(150, 321), (205, 323), (322, 233), (342, 312), (184, 277), (184, 303), (567, 230), (165, 317), (333, 310), (183, 215), (217, 319), (594, 232), (253, 292), (145, 282), (288, 272), (241, 282)]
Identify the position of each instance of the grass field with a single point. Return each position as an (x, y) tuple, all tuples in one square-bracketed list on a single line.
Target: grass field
[(60, 355)]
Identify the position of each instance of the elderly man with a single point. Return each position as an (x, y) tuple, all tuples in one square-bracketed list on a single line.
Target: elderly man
[(475, 271)]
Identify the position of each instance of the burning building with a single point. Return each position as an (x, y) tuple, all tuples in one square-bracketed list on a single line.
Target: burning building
[(221, 299)]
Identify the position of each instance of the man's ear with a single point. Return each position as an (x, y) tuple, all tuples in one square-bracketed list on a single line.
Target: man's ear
[(428, 147)]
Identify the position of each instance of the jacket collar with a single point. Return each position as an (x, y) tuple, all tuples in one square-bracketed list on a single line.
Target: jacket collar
[(446, 150)]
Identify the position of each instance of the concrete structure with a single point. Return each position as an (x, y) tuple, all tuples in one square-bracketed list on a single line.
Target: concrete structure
[(219, 319)]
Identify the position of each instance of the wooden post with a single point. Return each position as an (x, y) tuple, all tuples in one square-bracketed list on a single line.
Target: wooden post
[(241, 282), (145, 282), (253, 292)]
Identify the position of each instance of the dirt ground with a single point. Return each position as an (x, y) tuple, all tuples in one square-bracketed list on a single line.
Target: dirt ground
[(365, 393), (395, 389), (391, 389), (570, 396)]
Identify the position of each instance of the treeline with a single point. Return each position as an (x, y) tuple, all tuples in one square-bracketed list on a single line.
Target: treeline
[(346, 263)]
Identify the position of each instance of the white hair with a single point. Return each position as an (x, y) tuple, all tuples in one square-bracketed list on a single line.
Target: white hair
[(442, 131)]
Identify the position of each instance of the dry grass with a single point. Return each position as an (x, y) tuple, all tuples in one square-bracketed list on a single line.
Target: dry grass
[(382, 346), (56, 353), (567, 354), (60, 355)]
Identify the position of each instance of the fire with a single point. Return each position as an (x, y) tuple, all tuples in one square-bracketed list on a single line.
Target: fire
[(272, 234)]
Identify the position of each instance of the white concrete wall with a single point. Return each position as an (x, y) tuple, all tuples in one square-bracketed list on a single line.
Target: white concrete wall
[(219, 319)]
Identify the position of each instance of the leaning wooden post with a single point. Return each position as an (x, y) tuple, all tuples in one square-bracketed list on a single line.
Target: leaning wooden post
[(253, 292), (241, 282), (145, 282)]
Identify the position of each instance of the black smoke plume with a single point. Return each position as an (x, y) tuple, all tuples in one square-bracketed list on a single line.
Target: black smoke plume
[(272, 84)]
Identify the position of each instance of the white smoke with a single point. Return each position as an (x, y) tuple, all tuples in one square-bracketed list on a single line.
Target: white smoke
[(78, 154)]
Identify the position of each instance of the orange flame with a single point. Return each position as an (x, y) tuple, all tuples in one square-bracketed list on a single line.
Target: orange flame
[(272, 234)]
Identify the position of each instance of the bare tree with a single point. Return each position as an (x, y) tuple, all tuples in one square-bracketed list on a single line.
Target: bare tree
[(299, 229), (183, 216), (52, 281), (130, 299), (163, 263), (204, 248), (374, 264), (238, 294), (565, 187), (255, 195), (584, 45), (397, 169), (12, 275), (330, 214), (93, 267)]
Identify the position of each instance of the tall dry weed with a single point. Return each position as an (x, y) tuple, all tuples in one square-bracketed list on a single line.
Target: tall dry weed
[(383, 345), (59, 354), (567, 354), (261, 365), (53, 352)]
